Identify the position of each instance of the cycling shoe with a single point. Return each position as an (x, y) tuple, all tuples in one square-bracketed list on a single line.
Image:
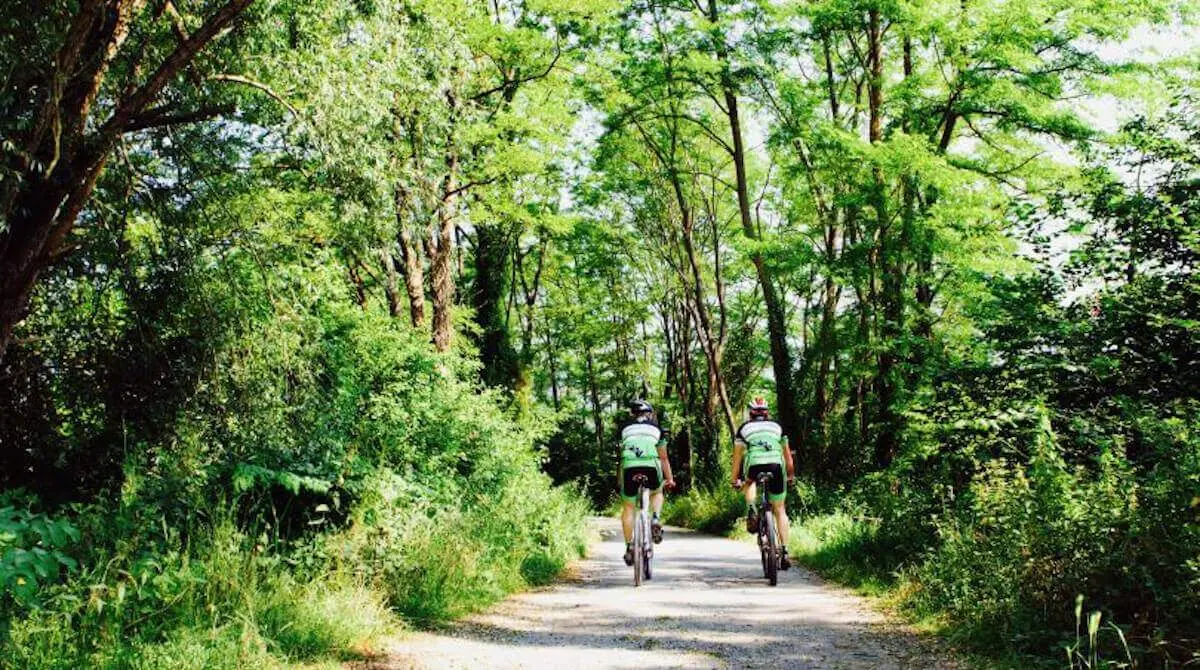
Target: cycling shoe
[(751, 522)]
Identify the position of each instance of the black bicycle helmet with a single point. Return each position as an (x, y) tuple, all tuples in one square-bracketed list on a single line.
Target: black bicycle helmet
[(639, 406)]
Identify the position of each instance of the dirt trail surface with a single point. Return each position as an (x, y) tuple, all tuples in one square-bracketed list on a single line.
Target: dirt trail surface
[(707, 607)]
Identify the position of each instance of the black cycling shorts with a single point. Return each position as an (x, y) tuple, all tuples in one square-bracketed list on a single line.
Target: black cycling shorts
[(629, 487), (778, 485)]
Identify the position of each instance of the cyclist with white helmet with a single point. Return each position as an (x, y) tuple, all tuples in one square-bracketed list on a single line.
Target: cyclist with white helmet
[(643, 451), (760, 446)]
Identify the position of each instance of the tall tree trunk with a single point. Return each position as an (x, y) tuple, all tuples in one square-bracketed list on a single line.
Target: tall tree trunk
[(552, 359), (391, 286), (414, 278), (594, 393), (891, 269), (825, 352), (530, 291), (411, 265), (781, 356), (360, 291), (440, 266), (490, 291), (858, 414), (708, 339), (684, 444)]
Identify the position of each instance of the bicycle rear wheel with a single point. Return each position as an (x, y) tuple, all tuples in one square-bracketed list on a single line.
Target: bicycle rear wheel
[(639, 539), (648, 551), (772, 554), (762, 541)]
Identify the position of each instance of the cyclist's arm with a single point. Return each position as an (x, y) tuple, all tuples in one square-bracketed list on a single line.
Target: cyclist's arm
[(787, 459), (620, 468), (739, 451), (666, 462)]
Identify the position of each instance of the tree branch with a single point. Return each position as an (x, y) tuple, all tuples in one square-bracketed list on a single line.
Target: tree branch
[(239, 79), (183, 54), (162, 116)]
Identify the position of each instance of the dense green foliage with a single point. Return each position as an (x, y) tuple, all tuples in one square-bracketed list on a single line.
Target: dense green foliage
[(323, 463), (219, 449), (955, 241), (1059, 460)]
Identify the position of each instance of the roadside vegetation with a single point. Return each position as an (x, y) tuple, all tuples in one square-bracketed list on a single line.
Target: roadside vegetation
[(316, 317)]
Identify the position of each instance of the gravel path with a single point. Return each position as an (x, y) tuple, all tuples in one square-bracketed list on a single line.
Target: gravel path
[(707, 607)]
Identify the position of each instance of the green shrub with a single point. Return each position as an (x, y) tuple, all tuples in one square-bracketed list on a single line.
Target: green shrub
[(33, 552), (313, 469), (1029, 538), (1004, 558), (716, 510), (843, 547), (439, 561)]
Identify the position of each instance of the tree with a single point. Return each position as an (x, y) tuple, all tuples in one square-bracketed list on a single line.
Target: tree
[(71, 100)]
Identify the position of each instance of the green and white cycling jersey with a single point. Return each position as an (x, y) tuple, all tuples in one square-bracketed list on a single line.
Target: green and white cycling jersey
[(764, 440), (640, 441)]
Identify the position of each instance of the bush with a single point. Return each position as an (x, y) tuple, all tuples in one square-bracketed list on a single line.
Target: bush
[(1031, 534), (267, 532), (710, 510), (435, 562), (261, 468), (32, 554), (1029, 538)]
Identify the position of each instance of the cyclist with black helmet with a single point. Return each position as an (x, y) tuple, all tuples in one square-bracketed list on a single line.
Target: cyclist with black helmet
[(643, 451), (761, 446)]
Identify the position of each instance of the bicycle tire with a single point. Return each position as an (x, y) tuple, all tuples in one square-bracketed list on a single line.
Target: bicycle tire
[(762, 541), (772, 551), (638, 550), (647, 570)]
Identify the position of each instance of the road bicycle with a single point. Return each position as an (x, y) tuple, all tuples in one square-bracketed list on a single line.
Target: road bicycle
[(768, 534), (643, 544)]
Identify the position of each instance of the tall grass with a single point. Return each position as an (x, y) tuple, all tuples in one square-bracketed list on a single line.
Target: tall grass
[(436, 562), (222, 602), (842, 547), (228, 601)]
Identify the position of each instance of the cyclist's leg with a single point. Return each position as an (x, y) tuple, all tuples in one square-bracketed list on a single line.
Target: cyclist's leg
[(781, 520), (656, 502), (657, 498), (778, 498), (627, 512), (750, 489), (656, 489), (628, 499)]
